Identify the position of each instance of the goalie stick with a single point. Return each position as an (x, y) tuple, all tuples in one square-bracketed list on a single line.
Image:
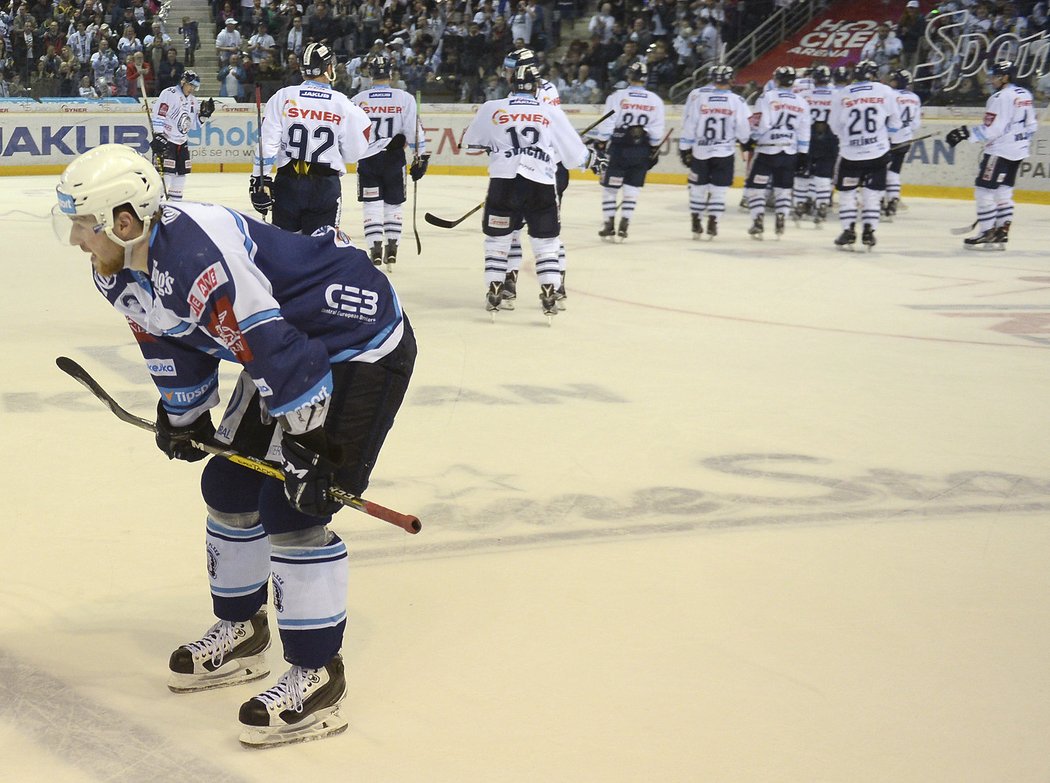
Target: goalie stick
[(409, 524), (434, 220)]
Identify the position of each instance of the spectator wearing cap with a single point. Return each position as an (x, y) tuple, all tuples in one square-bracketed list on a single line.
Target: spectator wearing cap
[(910, 29), (227, 42), (261, 45)]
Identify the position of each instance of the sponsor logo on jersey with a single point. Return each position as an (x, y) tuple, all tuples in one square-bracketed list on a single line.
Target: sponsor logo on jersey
[(162, 110), (705, 109), (161, 366), (162, 282), (632, 106), (386, 94), (140, 334), (206, 283), (263, 387), (864, 101), (324, 95), (348, 300), (368, 108), (321, 115), (224, 326), (499, 221), (186, 397), (504, 117)]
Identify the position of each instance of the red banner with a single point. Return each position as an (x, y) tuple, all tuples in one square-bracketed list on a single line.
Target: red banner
[(835, 37)]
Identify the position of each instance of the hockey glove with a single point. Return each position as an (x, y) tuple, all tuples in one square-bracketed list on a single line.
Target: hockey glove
[(802, 164), (207, 108), (159, 145), (419, 167), (176, 442), (397, 142), (686, 157), (597, 161), (260, 192), (308, 475), (748, 146), (957, 135), (654, 157)]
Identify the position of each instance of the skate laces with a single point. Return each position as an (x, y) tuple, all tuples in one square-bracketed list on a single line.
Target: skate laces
[(218, 641), (290, 689)]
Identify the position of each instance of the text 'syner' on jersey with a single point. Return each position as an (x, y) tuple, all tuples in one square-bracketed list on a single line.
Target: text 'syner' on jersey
[(632, 107), (863, 116), (525, 137), (781, 122), (175, 114), (209, 297), (391, 112), (312, 123)]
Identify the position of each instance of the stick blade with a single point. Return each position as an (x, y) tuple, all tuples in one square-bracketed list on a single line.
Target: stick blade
[(434, 220)]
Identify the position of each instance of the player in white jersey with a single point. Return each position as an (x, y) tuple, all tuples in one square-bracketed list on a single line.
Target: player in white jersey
[(525, 139), (309, 133), (714, 121), (863, 116), (814, 172), (547, 94), (781, 134), (1010, 122), (910, 107), (633, 136), (381, 170), (175, 114)]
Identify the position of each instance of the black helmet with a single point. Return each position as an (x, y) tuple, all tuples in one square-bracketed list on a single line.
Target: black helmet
[(526, 78), (900, 79), (865, 71), (379, 66), (519, 57), (1003, 68), (820, 74), (722, 74), (637, 72), (317, 59), (784, 76), (842, 74)]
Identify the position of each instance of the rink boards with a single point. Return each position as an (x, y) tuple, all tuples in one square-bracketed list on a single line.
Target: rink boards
[(41, 138)]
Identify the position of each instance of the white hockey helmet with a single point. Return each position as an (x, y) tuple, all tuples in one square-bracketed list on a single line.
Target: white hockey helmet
[(100, 180)]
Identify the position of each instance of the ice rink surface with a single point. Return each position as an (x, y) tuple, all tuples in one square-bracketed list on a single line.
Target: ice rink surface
[(748, 511)]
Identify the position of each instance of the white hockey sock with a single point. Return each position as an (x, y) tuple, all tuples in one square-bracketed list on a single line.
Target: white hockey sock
[(174, 184), (871, 206), (893, 185), (800, 192), (373, 215), (630, 201), (238, 564), (514, 254), (847, 207), (392, 222), (1004, 205), (561, 257), (697, 198), (609, 203), (716, 202), (987, 210), (782, 200), (496, 250), (546, 254), (756, 201), (822, 190)]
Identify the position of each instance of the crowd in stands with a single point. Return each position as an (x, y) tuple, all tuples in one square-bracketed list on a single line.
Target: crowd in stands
[(449, 50)]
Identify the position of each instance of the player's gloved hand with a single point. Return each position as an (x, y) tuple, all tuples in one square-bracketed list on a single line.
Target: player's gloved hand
[(957, 135), (597, 161), (748, 146), (654, 156), (176, 441), (309, 474), (260, 192), (159, 145), (802, 164), (207, 108), (686, 157), (418, 167)]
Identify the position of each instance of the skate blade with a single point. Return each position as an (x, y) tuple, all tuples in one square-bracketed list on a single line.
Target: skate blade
[(327, 723), (561, 305), (550, 319), (508, 304), (985, 248), (248, 669)]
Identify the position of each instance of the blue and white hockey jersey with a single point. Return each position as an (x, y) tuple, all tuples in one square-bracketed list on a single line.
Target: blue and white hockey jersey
[(225, 286)]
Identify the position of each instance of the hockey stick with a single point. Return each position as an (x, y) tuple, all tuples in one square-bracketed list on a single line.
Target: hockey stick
[(900, 144), (258, 122), (409, 524), (963, 229), (158, 162), (415, 182), (434, 220)]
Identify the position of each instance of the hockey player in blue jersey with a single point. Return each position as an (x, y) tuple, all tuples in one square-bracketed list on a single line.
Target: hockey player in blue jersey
[(327, 354)]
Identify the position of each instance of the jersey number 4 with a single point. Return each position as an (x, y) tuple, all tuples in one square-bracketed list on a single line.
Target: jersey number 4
[(310, 146)]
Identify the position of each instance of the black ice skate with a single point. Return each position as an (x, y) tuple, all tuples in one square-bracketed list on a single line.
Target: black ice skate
[(494, 297), (757, 228), (847, 238), (698, 226), (1003, 233), (890, 208), (510, 290), (867, 237), (302, 706), (608, 229), (712, 226), (778, 227), (377, 253), (821, 214), (548, 300), (560, 295), (391, 253), (622, 232), (228, 654), (987, 240)]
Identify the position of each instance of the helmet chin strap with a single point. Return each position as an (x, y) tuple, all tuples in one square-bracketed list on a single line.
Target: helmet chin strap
[(129, 245)]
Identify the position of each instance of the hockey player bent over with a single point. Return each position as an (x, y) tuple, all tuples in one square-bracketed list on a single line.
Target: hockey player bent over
[(714, 121), (326, 353), (310, 132), (1009, 124), (381, 170), (525, 138), (176, 113), (633, 135)]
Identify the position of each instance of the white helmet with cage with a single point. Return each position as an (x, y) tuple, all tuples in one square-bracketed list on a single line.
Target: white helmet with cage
[(100, 180)]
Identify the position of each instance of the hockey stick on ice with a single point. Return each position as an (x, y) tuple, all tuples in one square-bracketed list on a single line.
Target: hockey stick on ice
[(158, 162), (963, 229), (409, 524), (434, 220), (415, 182)]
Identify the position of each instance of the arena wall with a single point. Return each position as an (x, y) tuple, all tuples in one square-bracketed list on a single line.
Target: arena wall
[(40, 138)]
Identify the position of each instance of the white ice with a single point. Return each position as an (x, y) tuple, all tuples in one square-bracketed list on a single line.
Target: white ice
[(748, 511)]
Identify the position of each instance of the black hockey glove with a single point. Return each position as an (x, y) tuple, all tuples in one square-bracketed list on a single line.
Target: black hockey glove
[(748, 146), (597, 161), (176, 441), (654, 157), (957, 135), (159, 145), (308, 475), (260, 191), (397, 142), (419, 167), (686, 157), (207, 108), (802, 164)]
